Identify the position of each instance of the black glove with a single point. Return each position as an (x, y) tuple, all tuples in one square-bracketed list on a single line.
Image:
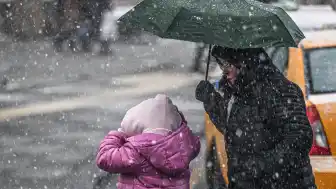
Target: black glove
[(204, 90)]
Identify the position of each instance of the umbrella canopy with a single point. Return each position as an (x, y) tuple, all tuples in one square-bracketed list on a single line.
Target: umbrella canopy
[(229, 23)]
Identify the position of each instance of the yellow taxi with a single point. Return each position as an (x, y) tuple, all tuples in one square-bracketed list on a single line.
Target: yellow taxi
[(313, 67)]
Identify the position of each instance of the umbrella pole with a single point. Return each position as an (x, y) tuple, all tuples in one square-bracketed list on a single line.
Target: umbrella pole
[(208, 64)]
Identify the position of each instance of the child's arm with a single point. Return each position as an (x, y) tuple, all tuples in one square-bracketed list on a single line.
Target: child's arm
[(117, 156)]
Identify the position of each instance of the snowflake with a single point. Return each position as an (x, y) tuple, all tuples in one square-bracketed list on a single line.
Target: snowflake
[(239, 132), (276, 175), (275, 27)]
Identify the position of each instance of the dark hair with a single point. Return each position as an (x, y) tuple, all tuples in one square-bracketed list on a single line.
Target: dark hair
[(236, 55), (256, 62)]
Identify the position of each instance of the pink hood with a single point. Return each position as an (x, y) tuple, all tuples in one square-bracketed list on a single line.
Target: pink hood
[(150, 160), (153, 115)]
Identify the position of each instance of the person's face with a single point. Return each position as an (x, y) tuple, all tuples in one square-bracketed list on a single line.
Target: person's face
[(228, 70)]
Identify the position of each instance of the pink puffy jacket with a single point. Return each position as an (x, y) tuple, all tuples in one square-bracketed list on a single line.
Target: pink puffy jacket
[(149, 160)]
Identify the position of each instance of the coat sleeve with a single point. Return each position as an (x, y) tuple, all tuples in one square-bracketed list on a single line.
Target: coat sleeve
[(289, 113), (115, 155), (216, 108)]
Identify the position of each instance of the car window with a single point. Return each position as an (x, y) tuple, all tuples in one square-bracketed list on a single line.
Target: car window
[(322, 68), (279, 56)]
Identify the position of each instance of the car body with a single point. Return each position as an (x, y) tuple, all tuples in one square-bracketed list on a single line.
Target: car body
[(312, 67)]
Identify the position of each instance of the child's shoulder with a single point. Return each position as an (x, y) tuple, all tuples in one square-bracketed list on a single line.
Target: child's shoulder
[(145, 139)]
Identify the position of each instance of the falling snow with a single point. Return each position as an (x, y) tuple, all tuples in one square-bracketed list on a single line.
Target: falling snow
[(59, 99), (239, 132)]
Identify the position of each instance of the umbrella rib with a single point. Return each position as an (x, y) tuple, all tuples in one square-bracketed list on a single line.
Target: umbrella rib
[(174, 20)]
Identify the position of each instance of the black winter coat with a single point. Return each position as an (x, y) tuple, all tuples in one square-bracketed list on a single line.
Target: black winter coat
[(268, 136)]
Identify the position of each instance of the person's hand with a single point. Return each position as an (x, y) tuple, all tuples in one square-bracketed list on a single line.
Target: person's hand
[(204, 90)]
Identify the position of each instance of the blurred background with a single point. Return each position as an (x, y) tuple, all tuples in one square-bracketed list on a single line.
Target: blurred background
[(68, 73)]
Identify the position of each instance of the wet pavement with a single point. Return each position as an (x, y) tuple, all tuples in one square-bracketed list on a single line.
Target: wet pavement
[(60, 105), (57, 150), (36, 63)]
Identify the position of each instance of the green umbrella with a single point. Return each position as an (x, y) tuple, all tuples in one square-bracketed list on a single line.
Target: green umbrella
[(229, 23)]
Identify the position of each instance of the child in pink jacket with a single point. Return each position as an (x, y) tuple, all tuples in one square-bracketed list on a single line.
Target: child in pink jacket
[(152, 149)]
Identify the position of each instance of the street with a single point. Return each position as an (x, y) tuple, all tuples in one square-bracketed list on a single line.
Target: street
[(41, 151), (59, 106)]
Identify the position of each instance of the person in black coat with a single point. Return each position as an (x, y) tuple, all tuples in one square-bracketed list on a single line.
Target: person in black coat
[(94, 10), (262, 116), (90, 17)]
